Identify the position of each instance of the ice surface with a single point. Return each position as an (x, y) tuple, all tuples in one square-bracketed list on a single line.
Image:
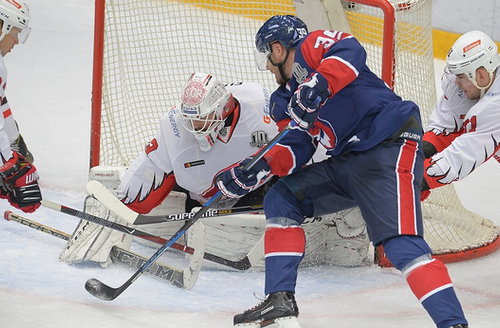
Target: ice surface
[(49, 91)]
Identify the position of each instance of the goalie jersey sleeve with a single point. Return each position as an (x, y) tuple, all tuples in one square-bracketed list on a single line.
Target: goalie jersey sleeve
[(173, 156), (8, 129), (360, 113), (479, 140)]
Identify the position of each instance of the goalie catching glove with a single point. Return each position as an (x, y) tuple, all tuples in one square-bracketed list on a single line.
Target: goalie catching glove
[(234, 182), (306, 101), (20, 179)]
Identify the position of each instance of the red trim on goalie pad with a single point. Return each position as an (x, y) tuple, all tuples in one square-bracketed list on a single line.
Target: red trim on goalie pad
[(429, 279), (289, 241), (406, 197)]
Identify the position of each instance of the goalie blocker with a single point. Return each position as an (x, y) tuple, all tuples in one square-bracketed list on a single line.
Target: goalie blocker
[(334, 239)]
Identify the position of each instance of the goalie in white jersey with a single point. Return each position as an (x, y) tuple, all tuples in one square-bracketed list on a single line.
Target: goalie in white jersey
[(213, 127), (463, 130)]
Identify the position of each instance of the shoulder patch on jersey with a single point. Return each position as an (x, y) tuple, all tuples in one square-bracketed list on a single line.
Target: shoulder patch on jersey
[(194, 163), (259, 138), (299, 72)]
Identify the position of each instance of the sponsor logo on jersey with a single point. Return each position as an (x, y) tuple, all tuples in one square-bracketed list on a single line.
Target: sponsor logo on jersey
[(259, 139), (194, 163), (173, 124)]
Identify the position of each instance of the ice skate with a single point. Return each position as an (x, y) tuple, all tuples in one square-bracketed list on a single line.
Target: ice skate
[(279, 308)]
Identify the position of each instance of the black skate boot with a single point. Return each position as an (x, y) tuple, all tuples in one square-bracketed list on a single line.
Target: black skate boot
[(278, 307), (462, 325)]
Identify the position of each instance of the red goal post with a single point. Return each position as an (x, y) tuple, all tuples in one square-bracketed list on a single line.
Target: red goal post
[(144, 51)]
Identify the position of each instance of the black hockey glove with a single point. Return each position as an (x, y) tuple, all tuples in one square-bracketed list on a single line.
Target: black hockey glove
[(306, 101)]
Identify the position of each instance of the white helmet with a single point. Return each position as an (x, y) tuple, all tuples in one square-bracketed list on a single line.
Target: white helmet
[(471, 51), (205, 105), (14, 14)]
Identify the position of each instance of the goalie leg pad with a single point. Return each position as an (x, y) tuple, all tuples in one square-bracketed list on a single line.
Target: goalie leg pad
[(92, 242)]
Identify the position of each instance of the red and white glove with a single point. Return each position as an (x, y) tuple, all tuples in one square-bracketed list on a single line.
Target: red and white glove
[(435, 173), (22, 178)]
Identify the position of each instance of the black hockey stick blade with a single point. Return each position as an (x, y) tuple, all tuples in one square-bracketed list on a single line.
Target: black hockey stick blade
[(102, 291)]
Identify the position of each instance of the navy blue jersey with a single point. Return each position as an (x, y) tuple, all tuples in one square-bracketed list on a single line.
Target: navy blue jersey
[(361, 112)]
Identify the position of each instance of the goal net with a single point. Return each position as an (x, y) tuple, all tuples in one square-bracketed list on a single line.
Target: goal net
[(145, 50)]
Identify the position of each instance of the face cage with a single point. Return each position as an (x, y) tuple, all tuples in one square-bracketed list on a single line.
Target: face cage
[(208, 125)]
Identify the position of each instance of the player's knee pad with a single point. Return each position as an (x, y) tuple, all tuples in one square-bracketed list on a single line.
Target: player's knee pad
[(402, 250), (281, 202)]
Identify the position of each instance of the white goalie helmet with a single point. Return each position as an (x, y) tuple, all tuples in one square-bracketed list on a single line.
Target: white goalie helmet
[(15, 14), (471, 51), (205, 105)]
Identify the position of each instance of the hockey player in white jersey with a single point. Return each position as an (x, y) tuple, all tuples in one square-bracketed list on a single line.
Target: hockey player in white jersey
[(463, 130), (213, 127), (18, 176)]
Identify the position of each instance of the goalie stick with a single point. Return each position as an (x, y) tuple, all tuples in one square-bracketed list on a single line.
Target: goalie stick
[(104, 196), (243, 264), (180, 278), (108, 293)]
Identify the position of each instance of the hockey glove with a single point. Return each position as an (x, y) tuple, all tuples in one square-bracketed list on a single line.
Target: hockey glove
[(21, 176), (434, 175), (4, 190), (306, 101), (233, 182)]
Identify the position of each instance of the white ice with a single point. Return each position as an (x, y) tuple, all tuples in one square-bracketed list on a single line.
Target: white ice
[(49, 91)]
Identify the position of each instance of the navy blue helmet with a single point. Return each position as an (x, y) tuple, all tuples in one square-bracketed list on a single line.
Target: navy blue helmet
[(286, 29)]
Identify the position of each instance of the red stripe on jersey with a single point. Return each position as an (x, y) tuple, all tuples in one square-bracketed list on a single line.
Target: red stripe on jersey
[(7, 113), (154, 197), (286, 241), (406, 194), (429, 280)]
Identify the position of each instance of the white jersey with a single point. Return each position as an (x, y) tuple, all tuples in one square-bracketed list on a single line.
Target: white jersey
[(175, 152), (480, 121), (8, 129)]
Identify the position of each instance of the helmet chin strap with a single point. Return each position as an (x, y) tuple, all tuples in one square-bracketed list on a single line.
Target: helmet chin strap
[(280, 66)]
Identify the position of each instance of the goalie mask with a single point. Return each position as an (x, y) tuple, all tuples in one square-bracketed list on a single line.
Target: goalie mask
[(205, 105), (471, 51), (14, 15)]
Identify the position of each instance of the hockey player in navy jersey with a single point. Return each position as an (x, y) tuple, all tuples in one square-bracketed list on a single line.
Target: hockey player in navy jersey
[(374, 140)]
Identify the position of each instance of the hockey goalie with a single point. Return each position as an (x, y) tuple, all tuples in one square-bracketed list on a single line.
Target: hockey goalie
[(214, 126)]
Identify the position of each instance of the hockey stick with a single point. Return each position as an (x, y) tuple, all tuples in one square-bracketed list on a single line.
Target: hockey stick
[(119, 256), (113, 225), (243, 264), (104, 196), (108, 293), (145, 219)]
